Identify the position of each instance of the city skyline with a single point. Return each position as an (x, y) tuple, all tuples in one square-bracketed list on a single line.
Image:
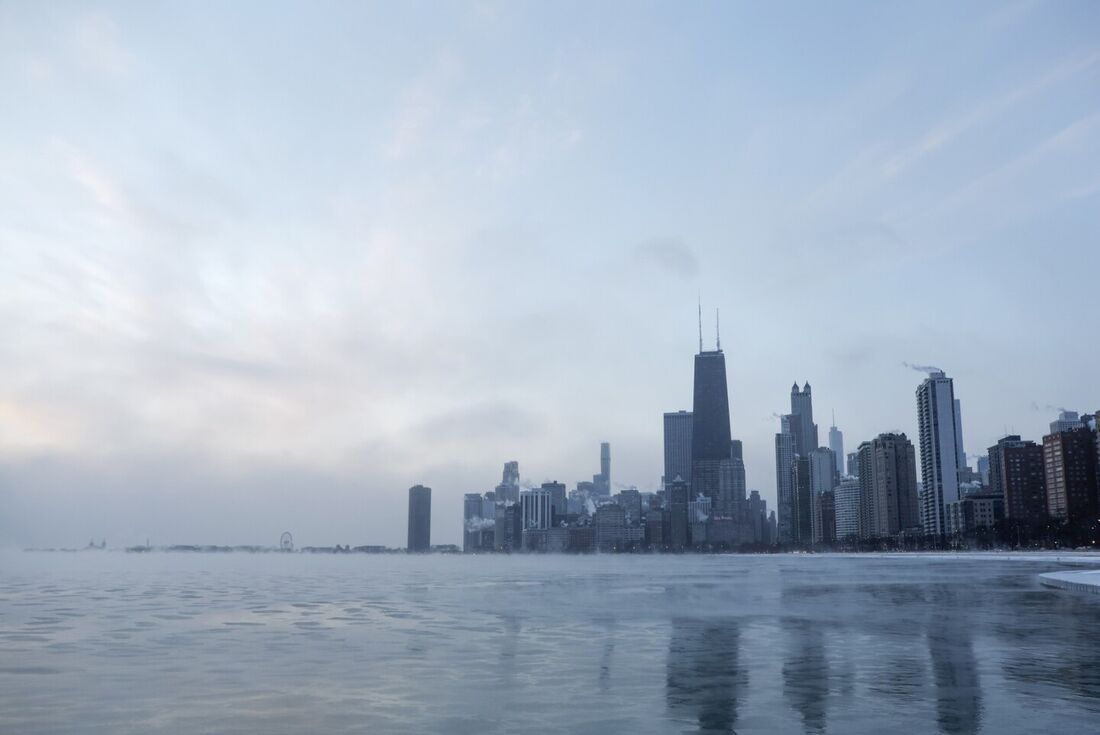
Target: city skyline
[(276, 285)]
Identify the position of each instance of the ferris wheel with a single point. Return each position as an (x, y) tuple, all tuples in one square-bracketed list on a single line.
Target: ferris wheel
[(286, 542)]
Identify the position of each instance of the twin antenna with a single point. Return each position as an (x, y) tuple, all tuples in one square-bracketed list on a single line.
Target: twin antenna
[(717, 331)]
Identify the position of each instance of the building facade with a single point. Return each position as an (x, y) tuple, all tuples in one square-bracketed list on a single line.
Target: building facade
[(677, 430), (1017, 473), (420, 519), (940, 449)]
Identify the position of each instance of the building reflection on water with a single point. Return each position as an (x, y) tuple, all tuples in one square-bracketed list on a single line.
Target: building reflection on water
[(705, 676), (806, 673), (954, 666)]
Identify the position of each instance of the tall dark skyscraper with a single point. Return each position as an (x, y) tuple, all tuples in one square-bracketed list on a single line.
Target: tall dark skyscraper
[(677, 447), (420, 518), (711, 468)]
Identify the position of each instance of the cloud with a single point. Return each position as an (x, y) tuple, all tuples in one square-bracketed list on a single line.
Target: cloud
[(667, 254), (479, 421), (947, 131)]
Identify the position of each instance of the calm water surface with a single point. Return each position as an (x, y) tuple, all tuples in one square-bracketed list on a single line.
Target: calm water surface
[(126, 643)]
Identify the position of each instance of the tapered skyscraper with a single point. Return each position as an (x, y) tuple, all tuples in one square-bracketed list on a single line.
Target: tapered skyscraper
[(711, 468)]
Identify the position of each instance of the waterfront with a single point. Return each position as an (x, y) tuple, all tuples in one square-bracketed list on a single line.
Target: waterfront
[(111, 642)]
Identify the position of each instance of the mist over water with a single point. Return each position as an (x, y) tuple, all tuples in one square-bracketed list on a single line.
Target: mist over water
[(113, 642)]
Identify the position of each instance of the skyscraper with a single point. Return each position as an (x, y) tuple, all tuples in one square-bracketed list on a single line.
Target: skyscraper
[(537, 508), (940, 449), (711, 468), (677, 447), (836, 443), (420, 518), (806, 431), (823, 479), (508, 489), (847, 509), (784, 486), (893, 485)]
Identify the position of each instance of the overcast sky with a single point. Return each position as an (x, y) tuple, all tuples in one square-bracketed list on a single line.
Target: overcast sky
[(263, 266)]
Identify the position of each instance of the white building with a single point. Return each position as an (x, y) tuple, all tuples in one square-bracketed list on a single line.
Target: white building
[(847, 508), (536, 508), (940, 449)]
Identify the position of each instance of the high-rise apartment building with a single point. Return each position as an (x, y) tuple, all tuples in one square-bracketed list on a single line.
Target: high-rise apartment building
[(940, 449), (677, 429), (893, 485), (823, 479), (1070, 463), (1017, 474), (420, 518), (784, 487), (846, 501)]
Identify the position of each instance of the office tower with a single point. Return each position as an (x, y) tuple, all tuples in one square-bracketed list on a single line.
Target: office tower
[(537, 508), (1066, 420), (678, 515), (630, 500), (740, 486), (846, 501), (836, 443), (893, 485), (853, 464), (784, 486), (508, 489), (558, 506), (677, 447), (939, 449), (806, 430), (471, 519), (420, 518), (823, 477), (711, 468), (509, 527), (803, 501), (1070, 463), (827, 513), (1017, 474), (610, 524)]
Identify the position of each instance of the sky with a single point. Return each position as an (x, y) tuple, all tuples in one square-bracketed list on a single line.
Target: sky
[(263, 266)]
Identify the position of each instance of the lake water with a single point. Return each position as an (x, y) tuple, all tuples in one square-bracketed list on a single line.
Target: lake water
[(138, 643)]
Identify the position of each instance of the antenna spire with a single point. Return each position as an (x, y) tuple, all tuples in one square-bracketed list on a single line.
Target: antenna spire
[(700, 325), (717, 332)]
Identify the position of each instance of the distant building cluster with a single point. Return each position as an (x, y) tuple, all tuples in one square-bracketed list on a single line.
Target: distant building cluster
[(1022, 493)]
